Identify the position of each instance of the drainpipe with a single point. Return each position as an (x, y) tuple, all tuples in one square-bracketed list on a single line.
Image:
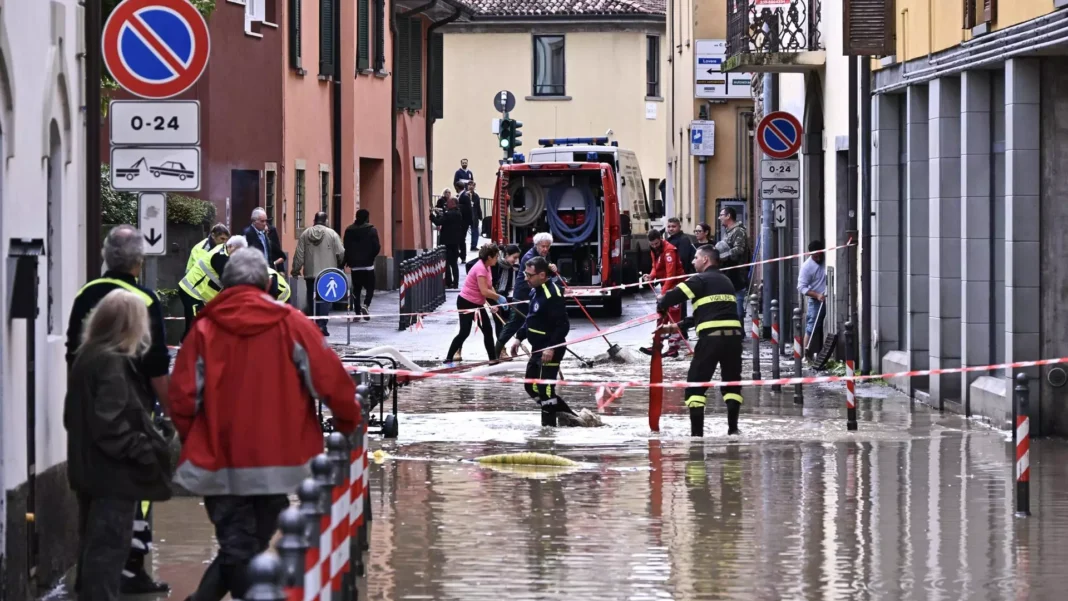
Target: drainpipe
[(851, 206), (336, 118), (865, 217), (430, 119), (767, 236)]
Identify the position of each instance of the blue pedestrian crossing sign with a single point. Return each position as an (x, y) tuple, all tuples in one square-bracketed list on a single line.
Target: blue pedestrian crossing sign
[(331, 285)]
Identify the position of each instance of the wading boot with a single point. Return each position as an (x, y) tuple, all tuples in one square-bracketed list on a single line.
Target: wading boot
[(697, 421), (548, 418), (733, 408)]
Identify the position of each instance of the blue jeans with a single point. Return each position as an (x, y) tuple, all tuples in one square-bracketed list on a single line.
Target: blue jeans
[(810, 315), (740, 295), (475, 231)]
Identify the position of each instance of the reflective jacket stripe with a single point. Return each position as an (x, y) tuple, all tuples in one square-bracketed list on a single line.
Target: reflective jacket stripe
[(686, 290), (722, 323), (713, 298), (121, 284)]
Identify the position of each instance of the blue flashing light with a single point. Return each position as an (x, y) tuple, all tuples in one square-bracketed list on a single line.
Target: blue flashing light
[(593, 141)]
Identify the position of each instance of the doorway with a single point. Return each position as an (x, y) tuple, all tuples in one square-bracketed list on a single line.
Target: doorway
[(244, 196)]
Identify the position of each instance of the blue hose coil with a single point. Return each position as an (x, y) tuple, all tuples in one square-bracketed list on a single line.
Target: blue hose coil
[(562, 231)]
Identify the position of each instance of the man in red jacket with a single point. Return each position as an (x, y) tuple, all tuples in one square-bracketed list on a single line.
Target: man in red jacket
[(242, 398), (666, 265)]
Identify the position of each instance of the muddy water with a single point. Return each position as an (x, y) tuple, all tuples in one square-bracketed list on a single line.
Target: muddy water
[(913, 506)]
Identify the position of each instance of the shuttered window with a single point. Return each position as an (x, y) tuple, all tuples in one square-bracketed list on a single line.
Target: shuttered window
[(436, 94), (869, 27), (363, 35), (294, 36), (380, 35), (327, 14), (977, 12), (969, 14), (990, 10), (409, 65)]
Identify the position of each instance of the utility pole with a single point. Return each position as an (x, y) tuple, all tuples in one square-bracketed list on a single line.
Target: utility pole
[(854, 167), (93, 209)]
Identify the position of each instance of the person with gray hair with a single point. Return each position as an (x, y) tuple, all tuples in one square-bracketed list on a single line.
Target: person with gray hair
[(543, 243), (246, 267), (264, 238), (124, 255)]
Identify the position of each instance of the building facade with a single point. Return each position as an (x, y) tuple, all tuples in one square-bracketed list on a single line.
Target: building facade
[(576, 70), (42, 220), (968, 143)]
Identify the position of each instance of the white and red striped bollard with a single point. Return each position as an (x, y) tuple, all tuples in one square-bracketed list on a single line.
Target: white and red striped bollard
[(356, 502), (775, 344), (851, 385), (1023, 448)]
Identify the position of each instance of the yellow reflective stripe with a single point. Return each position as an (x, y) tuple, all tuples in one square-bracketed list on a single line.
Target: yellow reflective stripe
[(145, 506), (721, 323), (533, 331), (145, 297), (548, 293), (712, 298), (686, 290), (550, 364), (208, 271), (283, 287), (732, 396), (190, 288), (695, 400)]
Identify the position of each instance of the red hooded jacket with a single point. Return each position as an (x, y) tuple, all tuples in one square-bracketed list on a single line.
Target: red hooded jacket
[(666, 265), (243, 396)]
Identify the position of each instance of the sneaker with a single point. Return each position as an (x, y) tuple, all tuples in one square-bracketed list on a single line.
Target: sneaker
[(142, 584), (365, 311)]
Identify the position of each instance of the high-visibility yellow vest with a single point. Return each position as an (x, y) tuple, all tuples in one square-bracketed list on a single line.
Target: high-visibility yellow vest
[(202, 249), (121, 284), (201, 282), (283, 285)]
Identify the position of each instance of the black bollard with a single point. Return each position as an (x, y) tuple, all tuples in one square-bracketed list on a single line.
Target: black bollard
[(323, 473), (309, 493), (265, 579), (1023, 448), (798, 394), (775, 374), (851, 386), (755, 335), (292, 546), (337, 449)]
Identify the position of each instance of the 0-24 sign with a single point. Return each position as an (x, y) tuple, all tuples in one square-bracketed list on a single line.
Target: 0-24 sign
[(155, 122), (780, 169)]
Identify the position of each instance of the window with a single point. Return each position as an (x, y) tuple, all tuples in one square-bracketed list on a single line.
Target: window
[(299, 208), (54, 194), (294, 36), (255, 15), (548, 65), (977, 12), (363, 35), (380, 36), (269, 193), (327, 12), (652, 66), (324, 191), (409, 64), (435, 62)]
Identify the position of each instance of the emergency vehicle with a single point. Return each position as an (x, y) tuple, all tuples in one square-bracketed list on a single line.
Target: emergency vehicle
[(579, 204)]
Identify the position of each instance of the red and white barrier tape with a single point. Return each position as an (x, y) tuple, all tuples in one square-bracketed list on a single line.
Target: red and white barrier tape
[(646, 384)]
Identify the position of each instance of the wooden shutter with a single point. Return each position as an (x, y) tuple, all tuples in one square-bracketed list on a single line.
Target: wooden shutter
[(327, 11), (380, 35), (294, 35), (969, 14), (436, 95), (869, 27), (363, 35), (401, 64), (415, 62), (990, 11)]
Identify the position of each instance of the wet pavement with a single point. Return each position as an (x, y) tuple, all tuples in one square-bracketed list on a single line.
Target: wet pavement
[(914, 505)]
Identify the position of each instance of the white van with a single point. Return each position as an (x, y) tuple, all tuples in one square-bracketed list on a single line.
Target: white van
[(638, 211)]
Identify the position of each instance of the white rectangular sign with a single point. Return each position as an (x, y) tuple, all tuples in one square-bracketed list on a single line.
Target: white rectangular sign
[(152, 221), (709, 79), (153, 169), (784, 189), (779, 217), (702, 138), (771, 3), (155, 122), (785, 169)]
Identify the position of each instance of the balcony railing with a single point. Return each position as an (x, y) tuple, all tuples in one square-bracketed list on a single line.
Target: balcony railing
[(773, 35)]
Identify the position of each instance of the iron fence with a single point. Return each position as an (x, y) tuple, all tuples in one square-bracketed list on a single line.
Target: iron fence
[(767, 26)]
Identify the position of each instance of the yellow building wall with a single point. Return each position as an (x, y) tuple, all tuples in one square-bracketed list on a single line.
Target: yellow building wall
[(916, 37), (605, 78)]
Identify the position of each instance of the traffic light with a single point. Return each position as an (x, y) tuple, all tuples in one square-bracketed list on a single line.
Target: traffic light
[(505, 136), (516, 135)]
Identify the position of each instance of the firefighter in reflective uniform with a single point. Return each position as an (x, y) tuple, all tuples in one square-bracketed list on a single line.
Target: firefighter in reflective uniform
[(203, 249), (719, 336), (203, 282), (546, 326), (279, 286)]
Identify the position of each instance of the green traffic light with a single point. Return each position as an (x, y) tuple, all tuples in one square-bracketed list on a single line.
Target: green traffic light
[(504, 143)]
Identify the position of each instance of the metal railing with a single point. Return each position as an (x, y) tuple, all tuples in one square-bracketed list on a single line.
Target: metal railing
[(422, 286), (764, 26)]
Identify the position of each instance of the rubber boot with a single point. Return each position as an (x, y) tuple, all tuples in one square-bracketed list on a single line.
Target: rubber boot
[(733, 408), (548, 418), (697, 421)]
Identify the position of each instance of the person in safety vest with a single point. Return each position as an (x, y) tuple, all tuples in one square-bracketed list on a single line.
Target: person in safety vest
[(219, 235), (279, 287), (202, 283), (665, 265), (124, 255), (546, 325), (719, 336)]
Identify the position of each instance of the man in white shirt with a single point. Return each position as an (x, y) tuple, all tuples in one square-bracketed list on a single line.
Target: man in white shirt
[(812, 283)]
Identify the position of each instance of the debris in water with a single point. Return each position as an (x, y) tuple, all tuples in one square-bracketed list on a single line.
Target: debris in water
[(527, 458), (584, 419)]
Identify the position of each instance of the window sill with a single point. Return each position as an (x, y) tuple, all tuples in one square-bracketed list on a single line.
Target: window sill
[(364, 72), (237, 2), (981, 29), (300, 72), (654, 98), (547, 98), (381, 74), (253, 34), (271, 25)]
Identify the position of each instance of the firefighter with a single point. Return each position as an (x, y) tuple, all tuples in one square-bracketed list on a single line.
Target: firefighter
[(719, 336), (665, 265), (219, 235), (546, 325), (202, 282)]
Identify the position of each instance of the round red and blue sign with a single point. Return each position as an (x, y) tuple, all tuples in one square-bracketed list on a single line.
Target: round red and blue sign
[(156, 48), (779, 135)]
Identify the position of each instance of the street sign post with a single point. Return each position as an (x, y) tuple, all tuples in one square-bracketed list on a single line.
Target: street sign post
[(702, 138), (779, 217), (331, 285), (154, 122), (504, 102), (156, 48), (155, 169), (779, 135), (152, 221), (780, 189), (774, 169)]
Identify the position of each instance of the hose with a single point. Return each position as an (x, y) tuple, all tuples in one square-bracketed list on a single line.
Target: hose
[(527, 458), (562, 231), (534, 204)]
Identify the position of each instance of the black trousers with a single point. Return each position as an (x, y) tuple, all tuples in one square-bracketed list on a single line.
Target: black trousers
[(544, 394), (243, 527), (715, 350), (362, 280), (105, 527), (190, 306), (466, 321), (315, 306), (454, 253)]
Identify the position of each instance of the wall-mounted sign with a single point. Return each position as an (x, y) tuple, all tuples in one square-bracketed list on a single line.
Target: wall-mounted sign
[(709, 79)]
